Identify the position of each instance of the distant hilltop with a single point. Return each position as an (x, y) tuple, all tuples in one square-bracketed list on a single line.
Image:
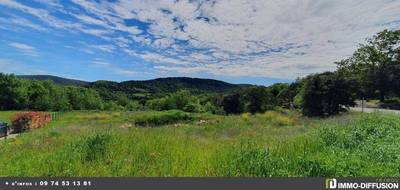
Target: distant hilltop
[(159, 85), (55, 79)]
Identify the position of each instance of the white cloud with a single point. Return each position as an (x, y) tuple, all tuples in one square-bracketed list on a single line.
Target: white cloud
[(39, 13), (11, 66), (9, 23), (104, 47), (124, 72), (53, 21), (265, 38), (90, 20), (114, 69), (51, 3), (25, 49), (258, 37), (101, 62)]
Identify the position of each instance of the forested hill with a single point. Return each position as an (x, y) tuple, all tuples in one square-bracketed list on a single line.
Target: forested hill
[(55, 79), (166, 85), (154, 86)]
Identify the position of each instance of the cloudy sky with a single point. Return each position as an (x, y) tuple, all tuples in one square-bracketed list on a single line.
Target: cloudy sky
[(239, 41)]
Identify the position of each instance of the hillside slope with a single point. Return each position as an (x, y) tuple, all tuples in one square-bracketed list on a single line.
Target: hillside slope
[(55, 79), (155, 87), (146, 88)]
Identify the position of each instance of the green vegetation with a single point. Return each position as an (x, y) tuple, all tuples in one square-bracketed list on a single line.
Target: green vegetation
[(326, 94), (181, 100), (162, 118), (375, 66), (55, 79), (20, 94), (201, 127), (372, 72), (271, 144)]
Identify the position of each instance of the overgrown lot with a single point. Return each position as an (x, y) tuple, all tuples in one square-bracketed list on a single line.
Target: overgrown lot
[(176, 143)]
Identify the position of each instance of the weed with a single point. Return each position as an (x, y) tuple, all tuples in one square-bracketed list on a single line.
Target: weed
[(93, 147)]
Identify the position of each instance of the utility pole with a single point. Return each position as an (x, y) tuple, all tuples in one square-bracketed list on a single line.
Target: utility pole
[(362, 100)]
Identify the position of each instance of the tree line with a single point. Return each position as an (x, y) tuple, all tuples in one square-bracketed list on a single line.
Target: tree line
[(372, 72), (21, 94)]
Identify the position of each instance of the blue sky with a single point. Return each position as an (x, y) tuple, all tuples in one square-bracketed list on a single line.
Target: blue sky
[(239, 41)]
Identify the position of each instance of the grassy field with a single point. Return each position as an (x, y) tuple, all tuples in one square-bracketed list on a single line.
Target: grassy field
[(175, 143)]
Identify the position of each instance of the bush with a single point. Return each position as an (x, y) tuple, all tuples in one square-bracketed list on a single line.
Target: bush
[(246, 116), (278, 119), (94, 147), (193, 107), (112, 106), (181, 100), (29, 120), (133, 106), (392, 103), (162, 118)]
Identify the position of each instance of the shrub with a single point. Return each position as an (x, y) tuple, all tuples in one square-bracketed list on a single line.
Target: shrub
[(133, 106), (94, 147), (246, 116), (162, 118), (113, 106), (278, 119), (194, 107), (181, 100), (29, 120)]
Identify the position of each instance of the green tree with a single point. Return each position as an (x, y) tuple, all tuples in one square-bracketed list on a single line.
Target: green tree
[(375, 64), (232, 104), (84, 99), (326, 94), (281, 94), (258, 99), (39, 96), (62, 103), (12, 93)]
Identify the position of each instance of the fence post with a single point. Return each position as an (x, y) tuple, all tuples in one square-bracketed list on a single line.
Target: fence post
[(54, 116)]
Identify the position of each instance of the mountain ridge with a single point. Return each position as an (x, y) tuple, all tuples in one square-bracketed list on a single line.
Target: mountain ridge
[(135, 88), (55, 79)]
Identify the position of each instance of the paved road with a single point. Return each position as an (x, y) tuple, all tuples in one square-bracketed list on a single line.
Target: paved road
[(370, 110), (9, 137)]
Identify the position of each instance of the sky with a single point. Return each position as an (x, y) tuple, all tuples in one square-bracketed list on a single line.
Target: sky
[(238, 41)]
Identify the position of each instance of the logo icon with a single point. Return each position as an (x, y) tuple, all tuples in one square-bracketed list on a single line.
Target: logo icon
[(331, 183)]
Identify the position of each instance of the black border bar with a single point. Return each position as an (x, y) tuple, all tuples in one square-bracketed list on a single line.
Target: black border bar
[(158, 183)]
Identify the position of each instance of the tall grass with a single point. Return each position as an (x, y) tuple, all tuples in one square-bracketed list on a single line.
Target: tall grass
[(247, 145)]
